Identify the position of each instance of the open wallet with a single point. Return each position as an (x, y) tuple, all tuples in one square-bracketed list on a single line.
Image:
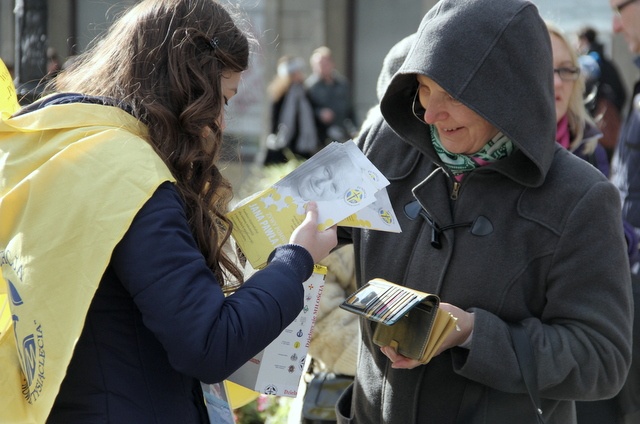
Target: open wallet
[(408, 320)]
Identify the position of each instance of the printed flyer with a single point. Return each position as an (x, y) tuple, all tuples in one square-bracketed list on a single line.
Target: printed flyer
[(347, 187), (278, 368), (377, 216)]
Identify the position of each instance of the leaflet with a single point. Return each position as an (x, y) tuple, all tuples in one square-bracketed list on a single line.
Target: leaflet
[(349, 191)]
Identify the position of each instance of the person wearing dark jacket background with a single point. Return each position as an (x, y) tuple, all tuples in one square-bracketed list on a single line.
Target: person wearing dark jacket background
[(477, 129), (144, 132), (293, 122), (330, 94), (611, 83), (611, 94), (625, 165), (625, 174)]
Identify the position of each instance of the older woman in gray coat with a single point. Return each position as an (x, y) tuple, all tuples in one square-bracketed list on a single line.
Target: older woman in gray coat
[(500, 222)]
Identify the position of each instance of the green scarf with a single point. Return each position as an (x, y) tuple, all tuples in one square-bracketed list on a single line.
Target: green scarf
[(497, 148)]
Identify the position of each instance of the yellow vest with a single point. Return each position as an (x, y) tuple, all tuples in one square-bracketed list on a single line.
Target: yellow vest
[(72, 178)]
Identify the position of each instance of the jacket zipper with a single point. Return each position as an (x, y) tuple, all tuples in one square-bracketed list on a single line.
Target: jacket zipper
[(455, 190)]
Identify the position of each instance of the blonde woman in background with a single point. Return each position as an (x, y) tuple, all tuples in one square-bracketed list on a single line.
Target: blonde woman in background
[(293, 125), (576, 130)]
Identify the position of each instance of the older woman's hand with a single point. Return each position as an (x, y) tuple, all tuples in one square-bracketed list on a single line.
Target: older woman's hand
[(457, 337)]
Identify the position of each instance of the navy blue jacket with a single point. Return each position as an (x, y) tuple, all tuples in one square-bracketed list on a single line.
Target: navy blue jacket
[(159, 323)]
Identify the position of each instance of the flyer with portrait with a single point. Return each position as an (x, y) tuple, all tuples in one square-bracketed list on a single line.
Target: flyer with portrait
[(347, 187)]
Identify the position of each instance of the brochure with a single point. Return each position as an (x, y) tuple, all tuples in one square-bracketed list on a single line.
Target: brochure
[(347, 187), (277, 370)]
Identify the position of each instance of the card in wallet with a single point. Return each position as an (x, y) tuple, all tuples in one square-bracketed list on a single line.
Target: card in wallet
[(408, 320)]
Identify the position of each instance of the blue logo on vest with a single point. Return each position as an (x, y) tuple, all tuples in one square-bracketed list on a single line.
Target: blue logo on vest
[(30, 350)]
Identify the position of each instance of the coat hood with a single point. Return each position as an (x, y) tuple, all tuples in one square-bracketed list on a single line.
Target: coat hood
[(495, 57)]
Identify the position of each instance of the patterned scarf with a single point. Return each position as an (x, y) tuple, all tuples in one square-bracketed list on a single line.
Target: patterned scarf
[(459, 164)]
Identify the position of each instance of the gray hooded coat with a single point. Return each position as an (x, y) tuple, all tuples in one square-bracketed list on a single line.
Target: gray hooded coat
[(555, 258)]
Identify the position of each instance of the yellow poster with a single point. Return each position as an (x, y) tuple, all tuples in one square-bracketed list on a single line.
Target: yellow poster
[(8, 98)]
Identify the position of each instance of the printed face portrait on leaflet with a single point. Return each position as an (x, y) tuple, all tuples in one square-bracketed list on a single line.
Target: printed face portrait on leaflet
[(329, 180)]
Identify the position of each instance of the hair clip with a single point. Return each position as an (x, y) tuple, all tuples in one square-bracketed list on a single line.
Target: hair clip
[(214, 43)]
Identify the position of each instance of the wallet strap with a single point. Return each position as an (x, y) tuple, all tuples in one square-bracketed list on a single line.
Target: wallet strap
[(527, 364)]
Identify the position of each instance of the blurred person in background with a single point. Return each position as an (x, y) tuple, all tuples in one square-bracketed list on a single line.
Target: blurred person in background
[(625, 166), (293, 124), (625, 174), (330, 93), (611, 93)]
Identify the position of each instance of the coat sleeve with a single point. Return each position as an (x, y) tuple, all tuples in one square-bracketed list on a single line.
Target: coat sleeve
[(582, 340), (206, 335)]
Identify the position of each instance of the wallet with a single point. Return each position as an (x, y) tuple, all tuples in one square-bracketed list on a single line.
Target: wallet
[(408, 320)]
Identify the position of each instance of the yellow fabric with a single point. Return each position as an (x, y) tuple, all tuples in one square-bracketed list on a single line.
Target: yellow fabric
[(72, 178)]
